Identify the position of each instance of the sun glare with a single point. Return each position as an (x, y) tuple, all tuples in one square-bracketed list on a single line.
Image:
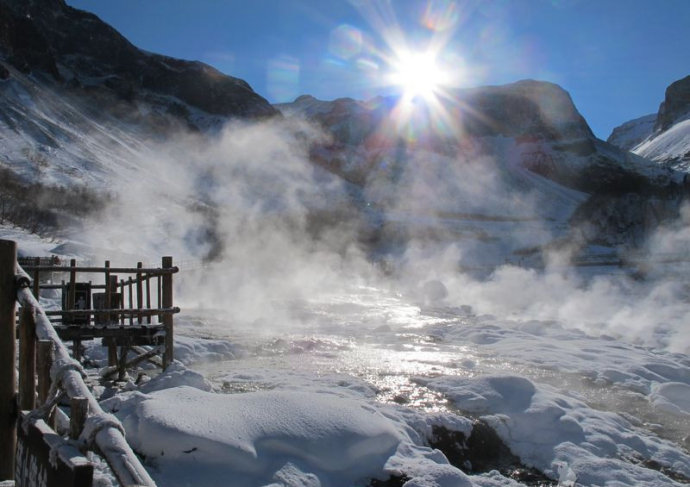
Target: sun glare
[(418, 74)]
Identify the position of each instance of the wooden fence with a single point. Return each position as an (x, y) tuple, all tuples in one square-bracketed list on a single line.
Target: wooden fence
[(32, 453)]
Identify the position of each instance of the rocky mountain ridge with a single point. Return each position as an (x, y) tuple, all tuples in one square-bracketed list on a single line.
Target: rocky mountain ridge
[(555, 140), (663, 137), (77, 48), (80, 105), (531, 140)]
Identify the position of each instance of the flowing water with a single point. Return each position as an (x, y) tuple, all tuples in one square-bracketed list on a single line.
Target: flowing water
[(379, 343)]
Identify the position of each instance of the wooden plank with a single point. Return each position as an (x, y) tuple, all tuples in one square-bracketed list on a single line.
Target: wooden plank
[(67, 332), (114, 311), (44, 459), (98, 270), (8, 374)]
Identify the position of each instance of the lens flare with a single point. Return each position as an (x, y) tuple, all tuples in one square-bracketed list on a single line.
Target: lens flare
[(346, 41)]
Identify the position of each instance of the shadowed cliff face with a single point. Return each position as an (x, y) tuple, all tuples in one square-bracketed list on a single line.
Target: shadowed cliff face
[(76, 46), (676, 105)]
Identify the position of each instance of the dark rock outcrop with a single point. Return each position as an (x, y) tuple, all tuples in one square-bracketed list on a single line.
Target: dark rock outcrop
[(526, 108), (676, 104), (51, 37)]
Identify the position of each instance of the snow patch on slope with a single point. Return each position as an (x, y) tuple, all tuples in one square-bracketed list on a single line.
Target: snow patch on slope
[(671, 146), (632, 133)]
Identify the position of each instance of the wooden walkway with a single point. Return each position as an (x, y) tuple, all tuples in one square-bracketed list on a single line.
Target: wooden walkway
[(133, 318)]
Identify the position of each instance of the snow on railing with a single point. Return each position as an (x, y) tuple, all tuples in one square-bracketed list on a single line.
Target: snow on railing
[(91, 427)]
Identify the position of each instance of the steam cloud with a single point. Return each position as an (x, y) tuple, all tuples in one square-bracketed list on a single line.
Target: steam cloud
[(245, 200)]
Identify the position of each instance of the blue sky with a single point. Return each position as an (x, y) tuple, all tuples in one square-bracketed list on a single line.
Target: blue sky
[(615, 57)]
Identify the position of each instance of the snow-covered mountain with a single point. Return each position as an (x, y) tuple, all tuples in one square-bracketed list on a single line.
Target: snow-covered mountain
[(630, 134), (83, 111), (503, 170), (518, 152), (665, 136)]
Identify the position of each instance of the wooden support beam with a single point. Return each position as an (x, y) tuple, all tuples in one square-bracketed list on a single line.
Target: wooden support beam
[(155, 359), (27, 359), (8, 374)]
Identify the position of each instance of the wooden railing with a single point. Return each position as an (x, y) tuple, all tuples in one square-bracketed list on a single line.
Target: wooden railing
[(48, 375)]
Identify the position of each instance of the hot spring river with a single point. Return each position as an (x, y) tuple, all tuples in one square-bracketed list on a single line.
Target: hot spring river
[(389, 347)]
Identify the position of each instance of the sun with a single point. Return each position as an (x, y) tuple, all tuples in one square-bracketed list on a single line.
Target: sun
[(418, 74)]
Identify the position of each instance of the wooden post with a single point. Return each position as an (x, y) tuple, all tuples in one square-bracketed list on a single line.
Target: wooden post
[(122, 301), (140, 294), (148, 297), (37, 280), (8, 374), (122, 364), (167, 296), (71, 298), (79, 411), (130, 299), (45, 362), (112, 349), (159, 304), (27, 359)]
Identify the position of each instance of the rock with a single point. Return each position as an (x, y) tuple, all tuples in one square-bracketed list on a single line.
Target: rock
[(676, 104)]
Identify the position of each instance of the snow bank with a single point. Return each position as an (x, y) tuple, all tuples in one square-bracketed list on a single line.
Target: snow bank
[(672, 397), (192, 350), (548, 429), (277, 438)]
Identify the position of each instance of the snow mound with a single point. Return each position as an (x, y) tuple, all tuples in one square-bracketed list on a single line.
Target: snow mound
[(276, 438), (190, 350), (672, 397), (176, 375), (548, 430)]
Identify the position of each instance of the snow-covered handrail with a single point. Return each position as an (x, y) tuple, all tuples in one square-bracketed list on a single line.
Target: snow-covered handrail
[(107, 437), (102, 432)]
